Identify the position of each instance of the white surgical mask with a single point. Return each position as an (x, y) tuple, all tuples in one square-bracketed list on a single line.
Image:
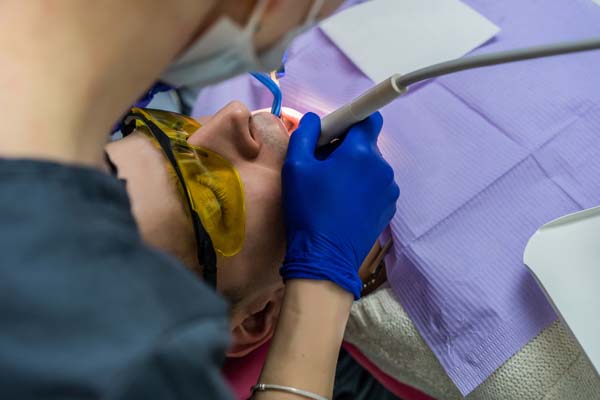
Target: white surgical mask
[(227, 50)]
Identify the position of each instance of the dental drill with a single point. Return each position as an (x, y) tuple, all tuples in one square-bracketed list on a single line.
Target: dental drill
[(339, 121)]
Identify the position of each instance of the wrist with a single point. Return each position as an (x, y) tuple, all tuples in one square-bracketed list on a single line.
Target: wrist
[(323, 271), (314, 315), (312, 299), (312, 256), (308, 337)]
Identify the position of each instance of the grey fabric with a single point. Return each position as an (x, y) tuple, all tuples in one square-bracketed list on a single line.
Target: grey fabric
[(87, 311), (549, 367)]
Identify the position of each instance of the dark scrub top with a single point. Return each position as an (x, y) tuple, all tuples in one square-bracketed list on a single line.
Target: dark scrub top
[(87, 311)]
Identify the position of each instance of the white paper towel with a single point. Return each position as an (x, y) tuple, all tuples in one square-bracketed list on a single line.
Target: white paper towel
[(383, 37)]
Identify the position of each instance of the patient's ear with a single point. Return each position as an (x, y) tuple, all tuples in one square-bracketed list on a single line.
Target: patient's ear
[(256, 327)]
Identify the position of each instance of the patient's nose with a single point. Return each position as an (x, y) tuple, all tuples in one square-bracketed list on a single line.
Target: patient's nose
[(228, 133)]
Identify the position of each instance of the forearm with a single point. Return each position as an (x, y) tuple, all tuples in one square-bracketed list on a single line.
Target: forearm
[(307, 340)]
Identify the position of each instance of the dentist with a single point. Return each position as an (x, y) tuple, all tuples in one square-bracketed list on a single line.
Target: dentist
[(87, 310)]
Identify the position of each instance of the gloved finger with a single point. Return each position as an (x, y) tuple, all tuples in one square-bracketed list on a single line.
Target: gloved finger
[(386, 176), (392, 195), (371, 126), (304, 139), (363, 135), (376, 124)]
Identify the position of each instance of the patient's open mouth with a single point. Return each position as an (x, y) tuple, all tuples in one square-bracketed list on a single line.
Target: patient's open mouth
[(289, 120)]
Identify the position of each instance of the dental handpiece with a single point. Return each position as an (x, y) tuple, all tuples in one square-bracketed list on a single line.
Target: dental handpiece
[(334, 125)]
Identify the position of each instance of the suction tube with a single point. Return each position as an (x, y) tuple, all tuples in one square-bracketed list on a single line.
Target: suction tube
[(266, 80)]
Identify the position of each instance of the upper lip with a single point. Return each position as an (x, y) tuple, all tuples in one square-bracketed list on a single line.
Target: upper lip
[(273, 120), (289, 120)]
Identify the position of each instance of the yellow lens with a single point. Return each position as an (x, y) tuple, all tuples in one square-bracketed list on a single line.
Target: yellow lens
[(213, 184)]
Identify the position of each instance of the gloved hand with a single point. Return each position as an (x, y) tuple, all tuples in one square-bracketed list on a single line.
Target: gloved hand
[(335, 208)]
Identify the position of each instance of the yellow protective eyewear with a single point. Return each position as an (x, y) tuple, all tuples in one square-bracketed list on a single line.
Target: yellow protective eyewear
[(212, 186)]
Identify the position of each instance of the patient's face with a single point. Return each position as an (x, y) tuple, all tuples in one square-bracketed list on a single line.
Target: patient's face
[(255, 143)]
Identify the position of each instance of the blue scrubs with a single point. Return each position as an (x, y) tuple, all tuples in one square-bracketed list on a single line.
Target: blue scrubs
[(87, 311)]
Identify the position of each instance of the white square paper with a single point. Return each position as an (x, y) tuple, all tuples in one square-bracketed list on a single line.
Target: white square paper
[(383, 37), (564, 256)]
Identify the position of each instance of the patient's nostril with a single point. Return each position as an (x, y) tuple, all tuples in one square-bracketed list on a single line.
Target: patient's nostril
[(251, 130)]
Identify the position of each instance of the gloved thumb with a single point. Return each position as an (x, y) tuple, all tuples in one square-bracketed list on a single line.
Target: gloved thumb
[(364, 133), (304, 139)]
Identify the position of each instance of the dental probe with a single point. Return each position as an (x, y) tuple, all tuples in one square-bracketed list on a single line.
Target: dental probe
[(340, 120)]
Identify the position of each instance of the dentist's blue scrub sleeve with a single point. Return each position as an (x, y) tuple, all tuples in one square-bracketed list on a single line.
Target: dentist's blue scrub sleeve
[(87, 311)]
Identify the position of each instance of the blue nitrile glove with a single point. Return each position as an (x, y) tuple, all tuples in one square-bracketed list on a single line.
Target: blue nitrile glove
[(335, 208)]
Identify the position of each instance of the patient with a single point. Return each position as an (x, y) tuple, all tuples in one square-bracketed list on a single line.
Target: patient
[(256, 146)]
